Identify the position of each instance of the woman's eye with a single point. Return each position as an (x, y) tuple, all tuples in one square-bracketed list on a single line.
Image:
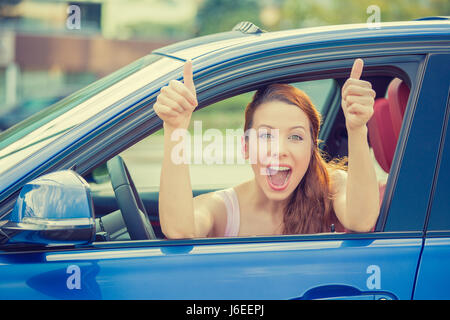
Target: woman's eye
[(296, 137), (265, 136)]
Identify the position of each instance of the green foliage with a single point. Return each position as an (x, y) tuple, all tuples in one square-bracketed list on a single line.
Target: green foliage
[(350, 11), (222, 15), (156, 30)]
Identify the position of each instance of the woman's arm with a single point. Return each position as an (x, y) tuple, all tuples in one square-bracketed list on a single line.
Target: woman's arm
[(357, 199), (178, 218)]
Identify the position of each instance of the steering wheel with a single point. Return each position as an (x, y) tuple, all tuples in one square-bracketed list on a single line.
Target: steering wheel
[(129, 201)]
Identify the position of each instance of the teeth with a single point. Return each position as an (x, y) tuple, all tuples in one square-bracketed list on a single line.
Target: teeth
[(279, 168)]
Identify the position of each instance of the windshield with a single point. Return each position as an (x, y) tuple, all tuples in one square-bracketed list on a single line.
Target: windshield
[(20, 130), (24, 139)]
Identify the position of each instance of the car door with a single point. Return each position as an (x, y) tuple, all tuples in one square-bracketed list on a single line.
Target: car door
[(433, 280), (379, 265)]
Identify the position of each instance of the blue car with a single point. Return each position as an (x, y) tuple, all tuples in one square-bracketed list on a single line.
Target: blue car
[(78, 220)]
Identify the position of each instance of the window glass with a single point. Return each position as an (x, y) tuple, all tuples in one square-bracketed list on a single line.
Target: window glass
[(319, 92), (221, 122), (59, 108), (144, 159), (47, 126)]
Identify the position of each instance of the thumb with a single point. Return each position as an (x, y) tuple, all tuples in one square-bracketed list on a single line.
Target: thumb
[(357, 69), (188, 77)]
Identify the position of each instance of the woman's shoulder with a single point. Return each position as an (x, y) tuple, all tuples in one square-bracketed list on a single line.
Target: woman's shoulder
[(213, 201), (336, 173), (338, 178), (210, 207), (216, 200)]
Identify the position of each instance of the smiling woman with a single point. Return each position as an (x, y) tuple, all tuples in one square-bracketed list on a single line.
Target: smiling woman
[(300, 181)]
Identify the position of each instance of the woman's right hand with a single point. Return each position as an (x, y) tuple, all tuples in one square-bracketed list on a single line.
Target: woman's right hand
[(176, 102)]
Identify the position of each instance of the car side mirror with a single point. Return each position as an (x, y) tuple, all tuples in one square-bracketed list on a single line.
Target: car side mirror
[(54, 209)]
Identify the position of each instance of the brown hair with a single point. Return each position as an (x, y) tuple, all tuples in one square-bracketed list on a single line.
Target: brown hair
[(310, 207)]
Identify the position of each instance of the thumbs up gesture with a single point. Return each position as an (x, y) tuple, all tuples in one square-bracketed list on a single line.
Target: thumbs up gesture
[(176, 101), (358, 98)]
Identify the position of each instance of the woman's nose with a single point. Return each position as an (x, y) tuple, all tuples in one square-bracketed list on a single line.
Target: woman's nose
[(278, 148)]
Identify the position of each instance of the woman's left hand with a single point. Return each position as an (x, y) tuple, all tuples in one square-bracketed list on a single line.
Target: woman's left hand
[(358, 99)]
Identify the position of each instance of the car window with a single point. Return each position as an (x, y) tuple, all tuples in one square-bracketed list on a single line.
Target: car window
[(45, 127), (440, 210), (68, 103), (144, 159), (319, 92), (223, 120)]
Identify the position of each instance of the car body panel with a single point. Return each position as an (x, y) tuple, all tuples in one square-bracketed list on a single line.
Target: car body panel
[(433, 278), (270, 270)]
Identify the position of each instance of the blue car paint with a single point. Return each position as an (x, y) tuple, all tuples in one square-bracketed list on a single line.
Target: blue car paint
[(433, 280), (56, 208), (272, 268), (49, 199)]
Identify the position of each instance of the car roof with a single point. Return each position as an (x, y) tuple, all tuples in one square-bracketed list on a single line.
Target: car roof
[(259, 41)]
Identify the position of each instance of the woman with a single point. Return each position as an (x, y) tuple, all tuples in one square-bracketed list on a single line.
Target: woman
[(294, 191)]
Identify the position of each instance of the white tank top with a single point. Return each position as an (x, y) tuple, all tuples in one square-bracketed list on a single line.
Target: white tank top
[(231, 201)]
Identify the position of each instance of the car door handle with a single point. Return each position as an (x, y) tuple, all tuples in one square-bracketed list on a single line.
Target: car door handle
[(344, 292)]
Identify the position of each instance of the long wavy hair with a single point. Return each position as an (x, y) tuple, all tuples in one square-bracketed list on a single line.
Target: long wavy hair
[(310, 206)]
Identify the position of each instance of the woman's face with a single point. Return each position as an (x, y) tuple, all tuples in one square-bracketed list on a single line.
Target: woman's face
[(283, 147)]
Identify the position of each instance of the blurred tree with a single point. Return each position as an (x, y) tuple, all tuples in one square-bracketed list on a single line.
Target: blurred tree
[(441, 6), (222, 15), (307, 13), (349, 11), (146, 30)]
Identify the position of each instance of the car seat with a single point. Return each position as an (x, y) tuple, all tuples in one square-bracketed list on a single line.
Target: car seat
[(398, 93), (381, 134), (385, 124)]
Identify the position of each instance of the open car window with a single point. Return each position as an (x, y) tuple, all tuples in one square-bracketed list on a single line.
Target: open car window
[(145, 157), (222, 122)]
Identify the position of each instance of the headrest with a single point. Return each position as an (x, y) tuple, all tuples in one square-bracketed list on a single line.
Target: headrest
[(381, 134), (385, 124), (398, 93)]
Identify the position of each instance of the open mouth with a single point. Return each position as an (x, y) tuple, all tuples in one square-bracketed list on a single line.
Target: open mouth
[(278, 177)]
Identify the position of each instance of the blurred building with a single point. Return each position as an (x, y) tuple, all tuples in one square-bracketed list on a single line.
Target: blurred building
[(51, 48)]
